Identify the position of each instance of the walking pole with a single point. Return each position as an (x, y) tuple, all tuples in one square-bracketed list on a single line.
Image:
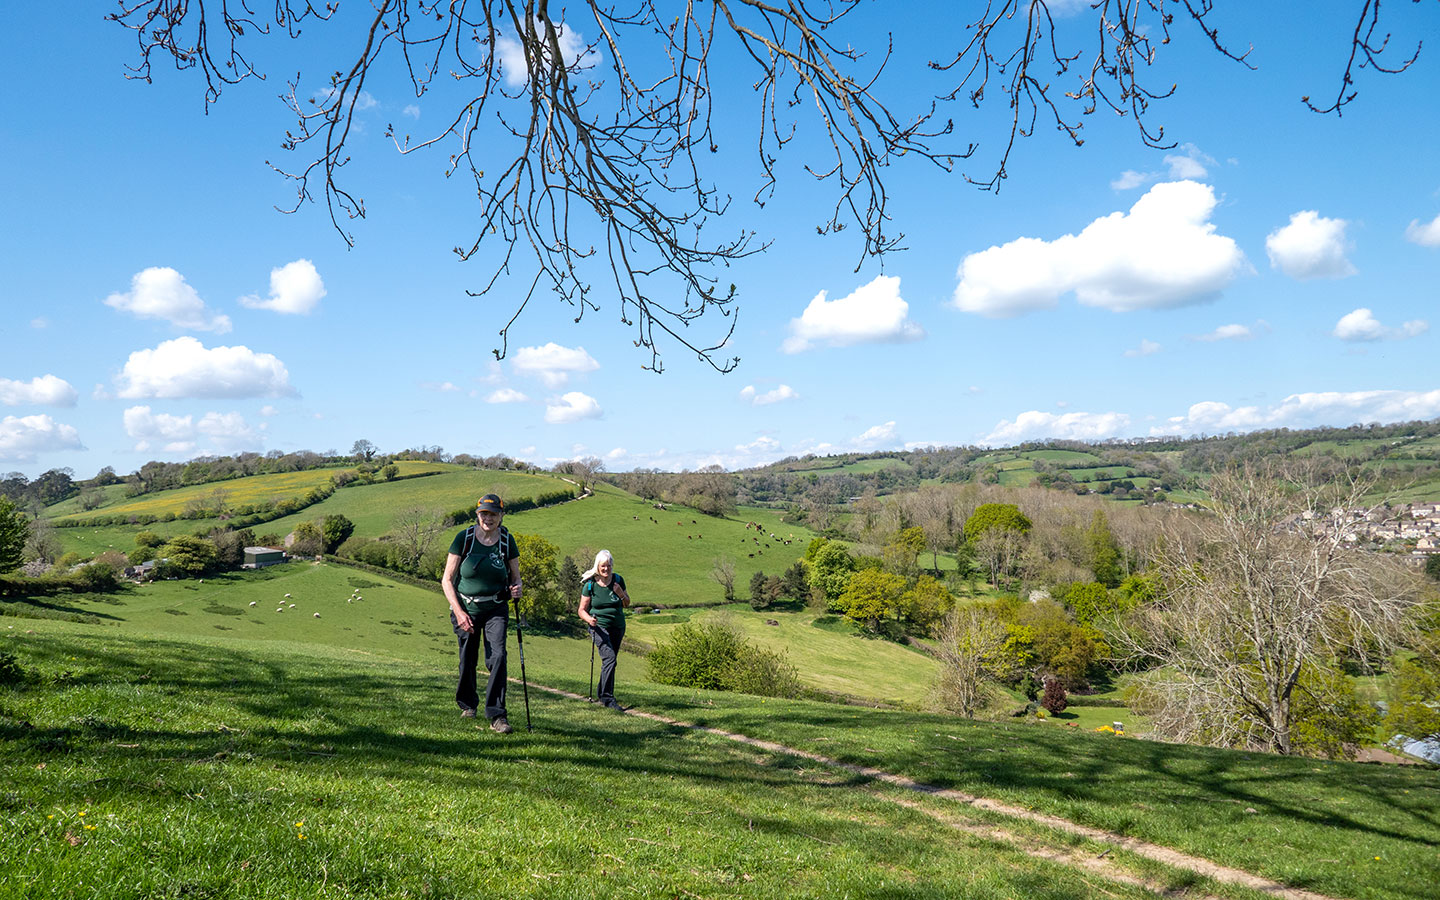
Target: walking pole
[(590, 692), (520, 641)]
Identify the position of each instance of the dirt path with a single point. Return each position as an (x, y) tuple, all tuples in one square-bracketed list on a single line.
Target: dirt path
[(1068, 856)]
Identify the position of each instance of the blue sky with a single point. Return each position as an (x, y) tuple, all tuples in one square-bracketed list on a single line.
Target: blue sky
[(1276, 268)]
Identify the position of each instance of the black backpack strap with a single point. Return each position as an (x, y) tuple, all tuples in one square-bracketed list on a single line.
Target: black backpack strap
[(469, 541)]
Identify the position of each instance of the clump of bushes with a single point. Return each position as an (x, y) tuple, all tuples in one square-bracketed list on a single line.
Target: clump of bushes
[(715, 656)]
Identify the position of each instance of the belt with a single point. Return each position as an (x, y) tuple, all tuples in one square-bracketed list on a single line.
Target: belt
[(488, 598)]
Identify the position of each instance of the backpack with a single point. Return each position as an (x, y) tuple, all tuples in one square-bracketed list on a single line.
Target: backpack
[(504, 548)]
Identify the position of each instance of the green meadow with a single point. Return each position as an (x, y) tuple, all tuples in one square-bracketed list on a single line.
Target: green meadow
[(238, 491), (173, 740)]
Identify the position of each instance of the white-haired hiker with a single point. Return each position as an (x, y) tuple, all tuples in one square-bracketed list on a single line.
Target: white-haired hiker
[(602, 607)]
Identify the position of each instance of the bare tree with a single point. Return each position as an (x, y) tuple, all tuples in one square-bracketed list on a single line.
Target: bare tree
[(414, 531), (723, 574), (971, 641), (585, 128), (1255, 593)]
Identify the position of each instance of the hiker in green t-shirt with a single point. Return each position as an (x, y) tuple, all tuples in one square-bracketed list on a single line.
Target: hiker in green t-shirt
[(602, 607), (482, 576)]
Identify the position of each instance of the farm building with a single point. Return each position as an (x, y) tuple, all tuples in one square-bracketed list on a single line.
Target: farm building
[(260, 557)]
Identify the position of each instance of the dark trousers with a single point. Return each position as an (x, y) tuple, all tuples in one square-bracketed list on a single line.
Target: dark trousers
[(607, 641), (489, 629)]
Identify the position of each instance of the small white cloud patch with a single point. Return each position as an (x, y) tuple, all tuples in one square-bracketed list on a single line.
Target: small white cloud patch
[(1426, 234), (783, 392), (160, 292), (1311, 246), (1146, 348), (181, 434), (1079, 426), (1163, 253), (183, 367), (1232, 332), (572, 407), (873, 313), (45, 390), (295, 289), (1361, 325), (506, 395), (552, 363), (23, 437)]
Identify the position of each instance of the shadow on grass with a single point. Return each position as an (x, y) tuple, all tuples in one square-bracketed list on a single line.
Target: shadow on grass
[(394, 723)]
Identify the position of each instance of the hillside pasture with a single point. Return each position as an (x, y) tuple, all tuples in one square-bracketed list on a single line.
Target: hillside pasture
[(667, 560), (189, 764), (834, 659), (375, 508), (246, 491), (149, 767)]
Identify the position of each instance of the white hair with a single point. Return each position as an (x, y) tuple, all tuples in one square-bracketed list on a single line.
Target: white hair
[(602, 557)]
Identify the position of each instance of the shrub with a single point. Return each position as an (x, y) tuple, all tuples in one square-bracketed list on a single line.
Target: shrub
[(1054, 698), (11, 672), (714, 656)]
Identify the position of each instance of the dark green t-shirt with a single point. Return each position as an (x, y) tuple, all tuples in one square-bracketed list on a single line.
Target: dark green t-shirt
[(605, 604), (484, 571)]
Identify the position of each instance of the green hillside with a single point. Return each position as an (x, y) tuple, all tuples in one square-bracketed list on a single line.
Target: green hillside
[(179, 742)]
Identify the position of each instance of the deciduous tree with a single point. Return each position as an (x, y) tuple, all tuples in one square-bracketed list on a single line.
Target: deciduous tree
[(1260, 591), (972, 643), (14, 531)]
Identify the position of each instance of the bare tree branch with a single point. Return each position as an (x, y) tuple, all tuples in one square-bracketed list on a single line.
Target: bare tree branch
[(590, 156)]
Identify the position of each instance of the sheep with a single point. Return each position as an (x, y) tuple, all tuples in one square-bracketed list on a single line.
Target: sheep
[(317, 615), (253, 602)]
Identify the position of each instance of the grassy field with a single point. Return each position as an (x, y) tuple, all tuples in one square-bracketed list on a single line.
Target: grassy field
[(150, 767), (238, 491), (667, 560), (833, 658), (182, 743)]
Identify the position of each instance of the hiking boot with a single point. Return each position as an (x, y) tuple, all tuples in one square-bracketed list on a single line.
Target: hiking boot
[(467, 713), (500, 726)]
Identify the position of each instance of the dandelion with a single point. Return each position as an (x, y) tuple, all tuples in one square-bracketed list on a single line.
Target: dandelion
[(299, 824)]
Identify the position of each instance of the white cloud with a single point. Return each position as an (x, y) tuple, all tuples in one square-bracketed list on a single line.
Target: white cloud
[(1077, 426), (1131, 179), (1193, 164), (506, 395), (873, 313), (1147, 347), (1425, 234), (45, 390), (1163, 253), (571, 407), (184, 368), (21, 438), (552, 363), (512, 56), (875, 437), (1361, 325), (39, 322), (1307, 410), (1231, 332), (268, 410), (444, 387), (160, 292), (1311, 246), (411, 110), (617, 454), (783, 392), (764, 445), (295, 289), (223, 432)]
